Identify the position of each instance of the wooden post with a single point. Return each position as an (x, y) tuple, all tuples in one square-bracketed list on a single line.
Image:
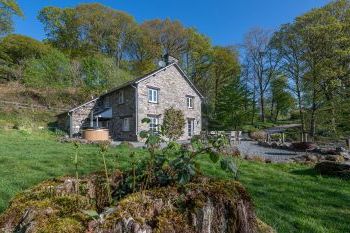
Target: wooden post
[(348, 143), (306, 137), (283, 138)]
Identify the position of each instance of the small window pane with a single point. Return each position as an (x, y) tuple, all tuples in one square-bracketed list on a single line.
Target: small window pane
[(190, 102), (154, 124), (121, 97), (153, 95), (126, 124)]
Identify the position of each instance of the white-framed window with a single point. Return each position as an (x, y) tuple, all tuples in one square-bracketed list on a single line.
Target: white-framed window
[(190, 127), (121, 97), (190, 100), (153, 95), (154, 124), (126, 124)]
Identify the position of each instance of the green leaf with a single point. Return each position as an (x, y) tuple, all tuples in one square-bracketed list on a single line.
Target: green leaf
[(214, 156), (91, 213), (143, 134), (146, 120)]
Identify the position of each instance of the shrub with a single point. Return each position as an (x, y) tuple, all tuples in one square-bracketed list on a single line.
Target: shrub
[(258, 135), (174, 123)]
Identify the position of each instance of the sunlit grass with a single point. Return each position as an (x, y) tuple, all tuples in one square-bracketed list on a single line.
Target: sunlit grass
[(290, 197)]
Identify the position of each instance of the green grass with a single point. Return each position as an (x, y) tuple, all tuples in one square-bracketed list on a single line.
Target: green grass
[(289, 197)]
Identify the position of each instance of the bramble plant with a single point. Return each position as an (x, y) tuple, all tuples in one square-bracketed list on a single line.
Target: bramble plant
[(76, 147), (103, 149), (174, 163)]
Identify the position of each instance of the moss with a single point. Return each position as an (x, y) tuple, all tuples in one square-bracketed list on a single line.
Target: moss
[(71, 204), (62, 225), (172, 221)]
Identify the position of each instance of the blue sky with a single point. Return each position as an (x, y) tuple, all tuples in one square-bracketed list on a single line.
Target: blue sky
[(224, 21)]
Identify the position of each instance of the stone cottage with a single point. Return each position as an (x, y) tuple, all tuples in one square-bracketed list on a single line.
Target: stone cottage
[(122, 109)]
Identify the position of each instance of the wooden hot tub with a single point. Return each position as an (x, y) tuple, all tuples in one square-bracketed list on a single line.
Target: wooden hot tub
[(96, 134)]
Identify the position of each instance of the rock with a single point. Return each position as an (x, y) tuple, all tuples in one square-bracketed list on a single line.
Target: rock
[(334, 169), (335, 158), (311, 158), (303, 146), (204, 206), (345, 155), (340, 149)]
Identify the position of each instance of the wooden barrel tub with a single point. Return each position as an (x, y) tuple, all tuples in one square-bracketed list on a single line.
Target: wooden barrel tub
[(96, 134)]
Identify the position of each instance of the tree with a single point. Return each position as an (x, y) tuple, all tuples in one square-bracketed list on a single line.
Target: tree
[(8, 8), (327, 45), (15, 50), (224, 68), (264, 61), (289, 44), (50, 71), (144, 51), (231, 113), (282, 100), (171, 35), (99, 73), (173, 123), (88, 29)]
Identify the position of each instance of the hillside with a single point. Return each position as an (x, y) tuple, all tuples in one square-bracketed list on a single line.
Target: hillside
[(21, 106)]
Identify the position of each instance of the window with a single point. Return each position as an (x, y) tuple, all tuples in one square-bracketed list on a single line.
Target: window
[(121, 97), (190, 127), (126, 124), (154, 124), (152, 95), (190, 100), (107, 102)]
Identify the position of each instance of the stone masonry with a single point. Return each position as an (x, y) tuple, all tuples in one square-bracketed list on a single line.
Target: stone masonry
[(172, 90)]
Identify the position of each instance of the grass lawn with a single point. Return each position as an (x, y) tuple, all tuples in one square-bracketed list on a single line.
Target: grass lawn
[(290, 197)]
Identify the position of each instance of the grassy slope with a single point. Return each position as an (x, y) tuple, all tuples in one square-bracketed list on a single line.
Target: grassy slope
[(289, 197)]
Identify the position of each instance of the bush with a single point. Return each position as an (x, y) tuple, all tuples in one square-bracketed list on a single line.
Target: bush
[(258, 135), (53, 69), (174, 123)]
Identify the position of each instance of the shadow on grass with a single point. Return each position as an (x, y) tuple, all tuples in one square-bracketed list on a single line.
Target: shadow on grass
[(305, 172)]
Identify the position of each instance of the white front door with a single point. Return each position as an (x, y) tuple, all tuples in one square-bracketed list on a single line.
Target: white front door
[(190, 127)]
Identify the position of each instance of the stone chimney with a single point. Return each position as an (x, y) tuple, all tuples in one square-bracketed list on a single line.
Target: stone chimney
[(170, 59)]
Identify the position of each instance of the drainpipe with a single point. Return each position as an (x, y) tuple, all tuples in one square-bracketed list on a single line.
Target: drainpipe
[(70, 125), (136, 111)]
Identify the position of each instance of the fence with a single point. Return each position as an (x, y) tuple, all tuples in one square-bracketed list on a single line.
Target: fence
[(29, 106)]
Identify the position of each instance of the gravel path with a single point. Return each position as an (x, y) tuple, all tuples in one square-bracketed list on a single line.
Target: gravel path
[(252, 148)]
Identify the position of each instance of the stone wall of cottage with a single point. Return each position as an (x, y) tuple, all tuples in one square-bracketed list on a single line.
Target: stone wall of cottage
[(81, 117), (172, 90), (121, 111)]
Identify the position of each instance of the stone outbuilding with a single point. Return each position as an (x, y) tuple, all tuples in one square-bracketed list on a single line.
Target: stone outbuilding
[(122, 109)]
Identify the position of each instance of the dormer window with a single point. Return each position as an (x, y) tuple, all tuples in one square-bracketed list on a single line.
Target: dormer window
[(121, 97), (190, 100), (153, 95)]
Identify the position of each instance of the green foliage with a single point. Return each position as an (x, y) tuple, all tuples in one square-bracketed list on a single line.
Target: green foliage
[(293, 191), (15, 50), (100, 73), (173, 123), (174, 164), (106, 30), (51, 70), (231, 111), (8, 8), (282, 99)]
